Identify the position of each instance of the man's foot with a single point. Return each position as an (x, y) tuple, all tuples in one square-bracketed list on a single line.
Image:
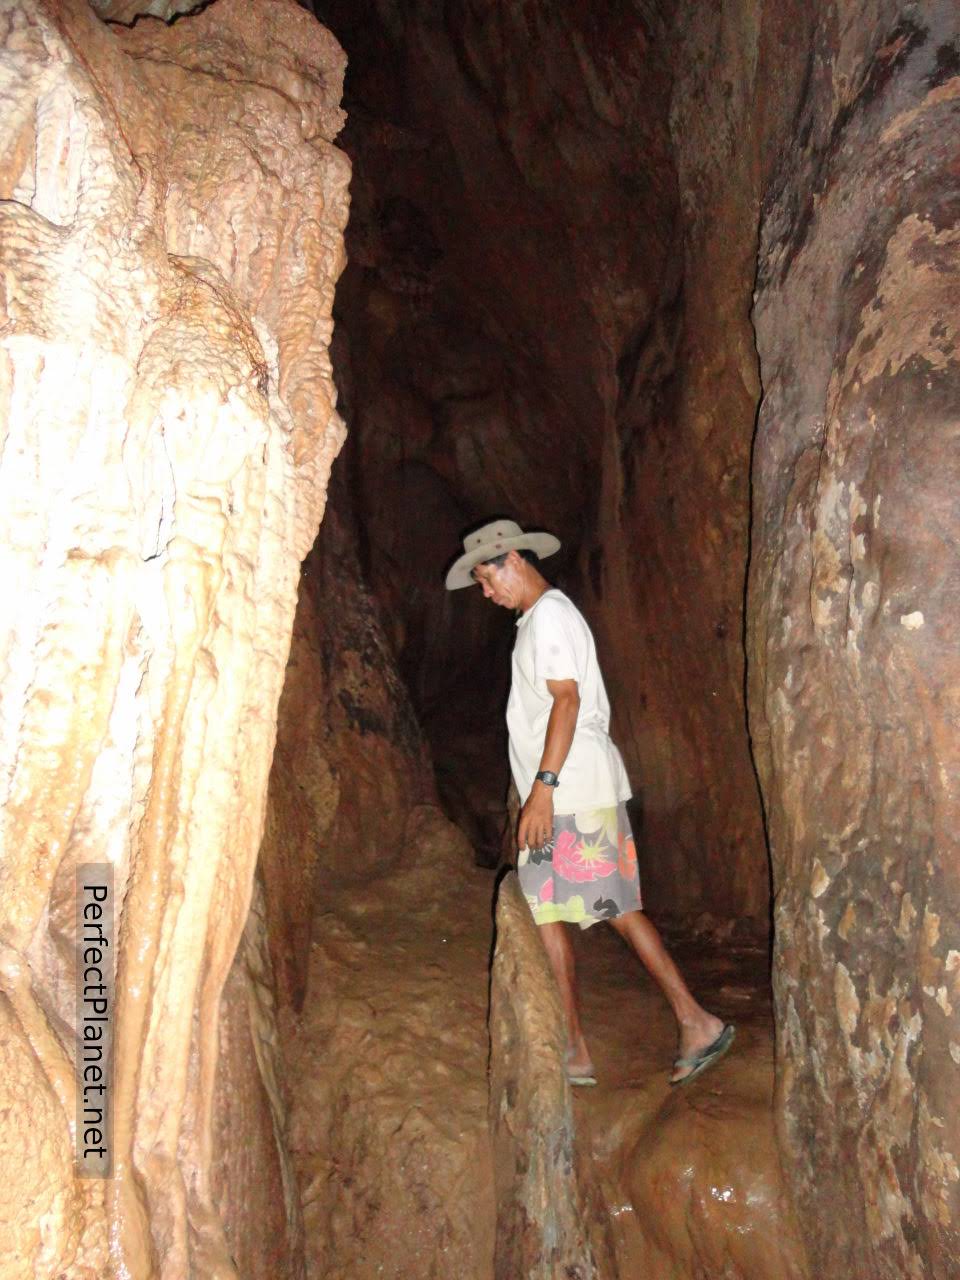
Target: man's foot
[(695, 1036), (580, 1069), (696, 1060)]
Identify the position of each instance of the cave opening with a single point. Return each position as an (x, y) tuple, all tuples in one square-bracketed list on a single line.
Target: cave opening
[(676, 282)]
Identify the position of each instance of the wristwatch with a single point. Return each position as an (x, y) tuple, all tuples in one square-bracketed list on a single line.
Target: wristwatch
[(548, 778)]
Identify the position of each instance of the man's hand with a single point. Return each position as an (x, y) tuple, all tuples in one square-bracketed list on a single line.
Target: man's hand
[(536, 818)]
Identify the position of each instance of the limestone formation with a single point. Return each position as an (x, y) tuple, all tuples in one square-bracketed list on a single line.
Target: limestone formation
[(542, 1228), (253, 1178), (814, 143), (853, 630), (389, 1124), (170, 236)]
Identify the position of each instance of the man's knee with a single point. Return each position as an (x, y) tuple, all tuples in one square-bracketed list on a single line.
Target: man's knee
[(623, 921)]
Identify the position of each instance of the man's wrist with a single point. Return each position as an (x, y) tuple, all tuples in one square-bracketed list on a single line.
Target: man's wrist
[(548, 778)]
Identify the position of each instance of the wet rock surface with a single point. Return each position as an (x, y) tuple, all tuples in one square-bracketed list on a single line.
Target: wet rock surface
[(686, 1181), (634, 1177), (410, 1159)]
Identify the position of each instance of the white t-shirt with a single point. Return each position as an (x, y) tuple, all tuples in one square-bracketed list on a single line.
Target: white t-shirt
[(554, 643)]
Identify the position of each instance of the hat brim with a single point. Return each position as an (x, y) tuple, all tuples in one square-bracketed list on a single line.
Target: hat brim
[(459, 573)]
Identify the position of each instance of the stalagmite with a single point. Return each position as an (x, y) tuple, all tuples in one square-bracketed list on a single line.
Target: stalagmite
[(542, 1223)]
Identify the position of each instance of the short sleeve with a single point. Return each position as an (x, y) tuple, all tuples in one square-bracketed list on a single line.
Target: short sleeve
[(555, 649)]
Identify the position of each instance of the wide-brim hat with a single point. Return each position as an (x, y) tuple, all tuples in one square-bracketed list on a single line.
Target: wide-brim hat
[(494, 539)]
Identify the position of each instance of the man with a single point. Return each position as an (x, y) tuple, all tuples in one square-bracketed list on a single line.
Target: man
[(577, 861)]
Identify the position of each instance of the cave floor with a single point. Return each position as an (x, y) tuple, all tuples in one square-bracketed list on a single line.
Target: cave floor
[(389, 1082)]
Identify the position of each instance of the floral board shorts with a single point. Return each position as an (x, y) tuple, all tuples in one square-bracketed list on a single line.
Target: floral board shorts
[(588, 872)]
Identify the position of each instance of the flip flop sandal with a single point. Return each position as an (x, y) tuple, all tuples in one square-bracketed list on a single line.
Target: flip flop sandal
[(705, 1057), (583, 1078)]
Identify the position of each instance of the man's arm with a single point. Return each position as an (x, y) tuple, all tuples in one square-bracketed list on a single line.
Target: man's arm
[(536, 816)]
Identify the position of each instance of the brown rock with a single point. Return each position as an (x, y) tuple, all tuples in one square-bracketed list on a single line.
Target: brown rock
[(549, 313), (389, 1124), (853, 625), (254, 1182), (517, 301), (542, 1230), (686, 1181)]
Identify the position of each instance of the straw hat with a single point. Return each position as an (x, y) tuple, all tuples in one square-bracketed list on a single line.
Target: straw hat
[(493, 540)]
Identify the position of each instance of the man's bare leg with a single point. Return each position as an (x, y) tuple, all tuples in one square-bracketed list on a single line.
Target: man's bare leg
[(560, 952), (698, 1028)]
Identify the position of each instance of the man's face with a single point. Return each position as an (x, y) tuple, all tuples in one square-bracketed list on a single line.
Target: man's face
[(501, 583)]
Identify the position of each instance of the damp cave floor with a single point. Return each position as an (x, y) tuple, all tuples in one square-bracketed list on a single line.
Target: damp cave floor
[(689, 1176)]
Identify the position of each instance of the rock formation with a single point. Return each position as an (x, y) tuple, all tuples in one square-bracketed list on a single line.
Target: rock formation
[(350, 767), (799, 158), (853, 619), (389, 1130), (542, 1227), (170, 236)]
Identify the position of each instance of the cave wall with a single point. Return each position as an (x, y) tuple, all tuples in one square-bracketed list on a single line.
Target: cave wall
[(170, 235), (665, 565), (168, 430), (350, 765), (852, 634), (472, 324), (811, 164)]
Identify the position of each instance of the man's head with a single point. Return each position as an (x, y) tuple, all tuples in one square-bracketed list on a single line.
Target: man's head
[(506, 579), (490, 547)]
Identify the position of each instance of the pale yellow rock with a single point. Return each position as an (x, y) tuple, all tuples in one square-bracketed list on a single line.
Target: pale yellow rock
[(171, 216)]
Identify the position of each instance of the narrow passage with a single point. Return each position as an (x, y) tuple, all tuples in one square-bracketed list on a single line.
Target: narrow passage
[(389, 1070)]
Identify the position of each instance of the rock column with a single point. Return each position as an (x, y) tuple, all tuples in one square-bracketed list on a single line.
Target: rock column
[(543, 1227), (171, 212), (855, 674)]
